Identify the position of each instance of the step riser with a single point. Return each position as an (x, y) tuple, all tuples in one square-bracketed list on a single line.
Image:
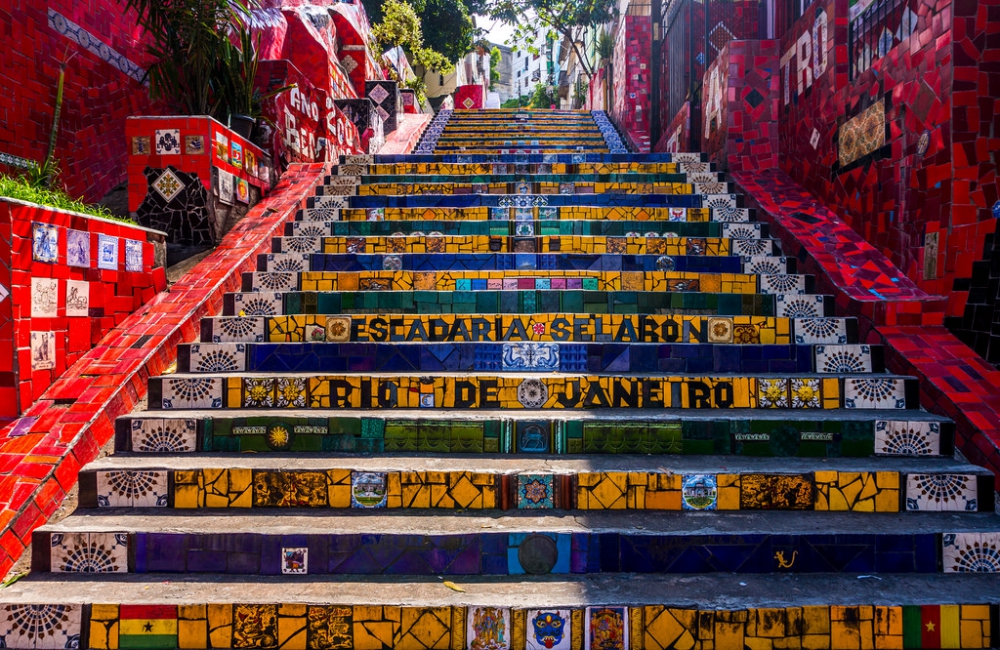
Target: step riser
[(564, 158), (525, 302), (339, 488), (733, 282), (489, 392), (584, 189), (715, 201), (210, 623), (460, 171), (555, 327), (496, 554), (501, 228), (549, 262), (526, 357), (764, 435), (532, 180), (320, 209), (710, 247)]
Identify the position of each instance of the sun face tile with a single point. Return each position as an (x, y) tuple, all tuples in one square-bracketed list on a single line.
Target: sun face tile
[(971, 552), (89, 553), (907, 438), (40, 626), (132, 489), (167, 435)]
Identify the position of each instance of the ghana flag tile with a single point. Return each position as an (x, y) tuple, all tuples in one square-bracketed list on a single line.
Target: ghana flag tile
[(148, 626)]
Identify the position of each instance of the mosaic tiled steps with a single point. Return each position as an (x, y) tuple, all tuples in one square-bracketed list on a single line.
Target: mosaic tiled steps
[(529, 188), (525, 435), (690, 484), (852, 434), (480, 391)]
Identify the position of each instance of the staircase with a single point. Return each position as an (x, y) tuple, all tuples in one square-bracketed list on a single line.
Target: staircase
[(523, 390)]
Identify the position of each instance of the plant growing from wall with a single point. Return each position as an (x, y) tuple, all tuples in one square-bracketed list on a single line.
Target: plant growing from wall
[(187, 41), (236, 73)]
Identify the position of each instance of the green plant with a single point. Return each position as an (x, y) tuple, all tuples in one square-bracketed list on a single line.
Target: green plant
[(495, 57), (187, 41), (22, 189), (419, 87), (400, 27), (542, 98), (236, 72), (564, 18), (605, 48)]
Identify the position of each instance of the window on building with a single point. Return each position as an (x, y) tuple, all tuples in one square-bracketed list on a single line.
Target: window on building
[(440, 79)]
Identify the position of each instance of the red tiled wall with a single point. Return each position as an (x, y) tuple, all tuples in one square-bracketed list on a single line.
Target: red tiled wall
[(897, 195), (97, 95), (740, 106), (630, 108), (114, 294), (677, 136), (470, 97), (198, 163)]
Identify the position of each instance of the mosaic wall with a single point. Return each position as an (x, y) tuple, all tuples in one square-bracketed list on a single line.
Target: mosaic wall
[(645, 627), (631, 106), (65, 280), (385, 96), (470, 97), (102, 88), (878, 148), (189, 176), (740, 107), (677, 136)]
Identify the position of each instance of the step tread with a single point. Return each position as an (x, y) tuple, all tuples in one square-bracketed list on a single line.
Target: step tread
[(323, 521), (623, 416), (705, 591), (508, 464)]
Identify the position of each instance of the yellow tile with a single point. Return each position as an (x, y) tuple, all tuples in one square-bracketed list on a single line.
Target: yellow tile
[(192, 626), (240, 492), (220, 625), (104, 627)]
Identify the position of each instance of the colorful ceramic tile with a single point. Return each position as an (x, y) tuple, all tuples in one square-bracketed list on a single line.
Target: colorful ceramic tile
[(140, 145), (248, 329), (942, 492), (168, 141), (250, 162), (132, 489), (78, 248), (43, 350), (861, 135), (168, 185), (192, 393), (236, 154), (77, 298), (226, 186), (40, 626), (217, 357), (133, 255), (194, 145), (488, 628), (907, 438), (44, 297), (107, 252), (295, 561), (535, 491), (699, 492), (89, 553), (820, 330), (874, 393), (549, 629), (221, 147), (368, 489), (607, 628), (163, 436), (242, 190), (542, 357), (843, 359), (44, 243), (971, 552)]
